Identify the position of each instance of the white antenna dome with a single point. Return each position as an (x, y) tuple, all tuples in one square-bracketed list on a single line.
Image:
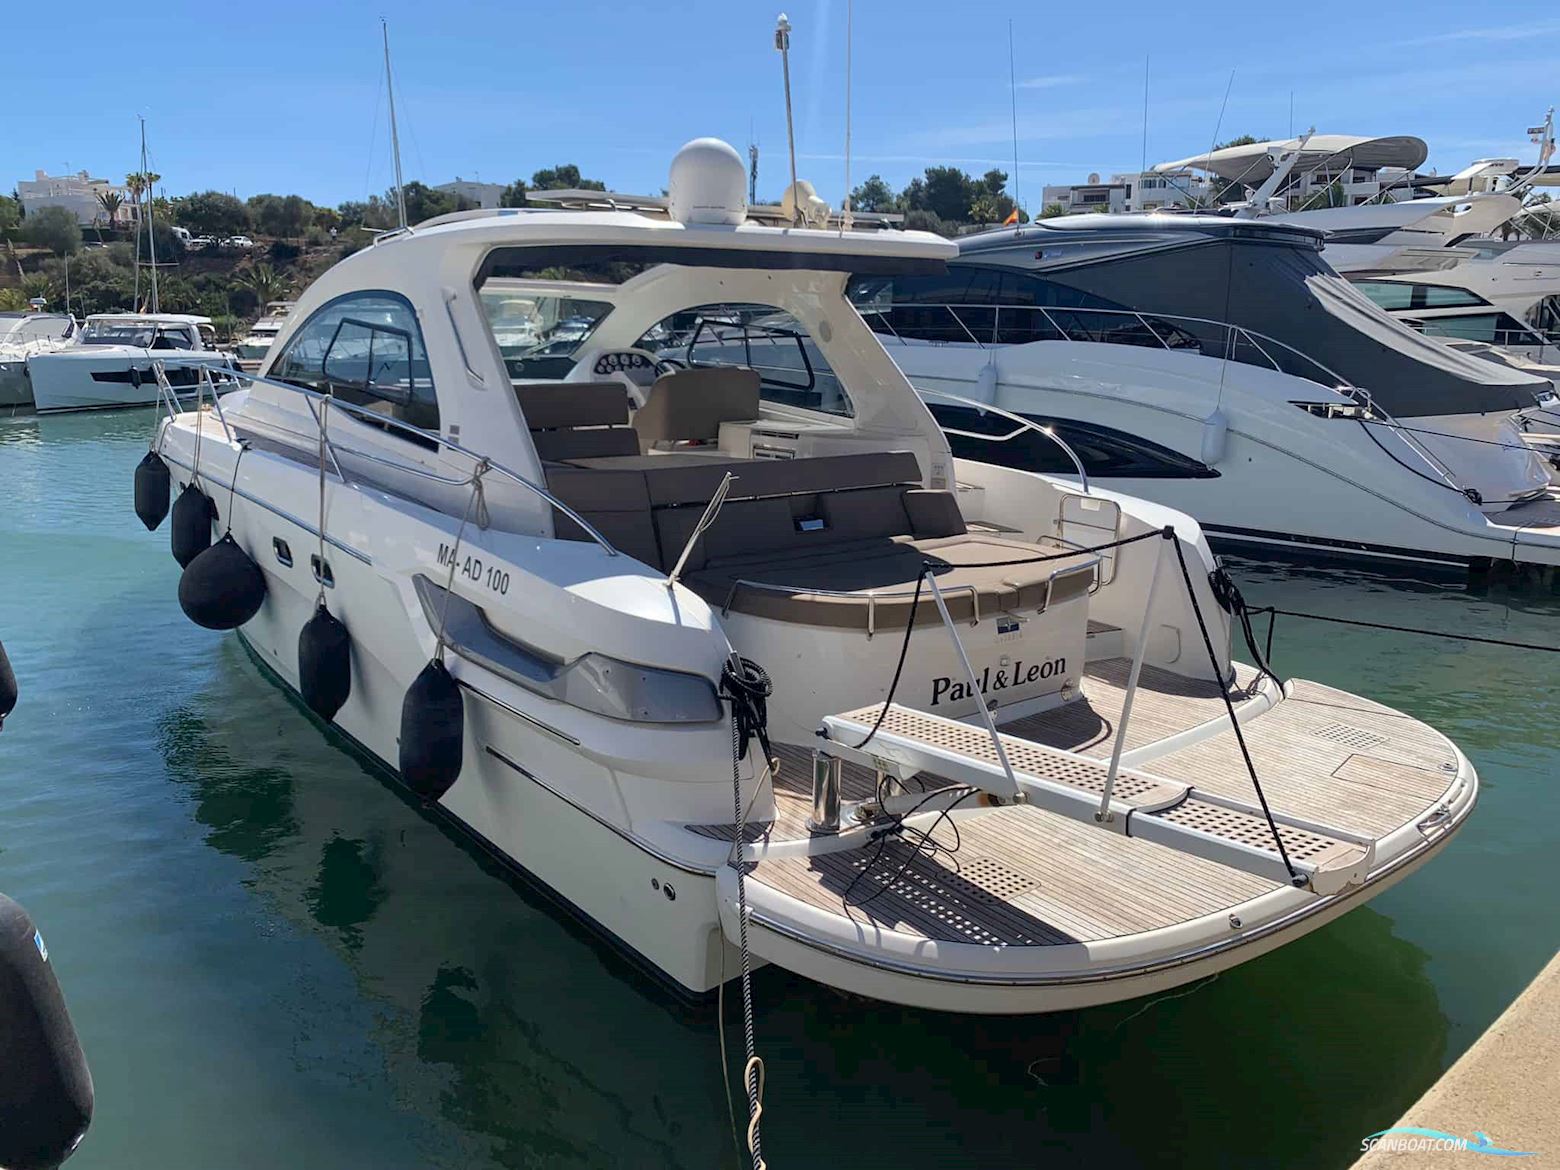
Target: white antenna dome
[(707, 184)]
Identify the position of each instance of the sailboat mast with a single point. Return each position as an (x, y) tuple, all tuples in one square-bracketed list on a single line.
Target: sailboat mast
[(395, 138), (151, 236)]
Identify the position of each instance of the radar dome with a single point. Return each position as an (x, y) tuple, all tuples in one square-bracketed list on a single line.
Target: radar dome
[(707, 184)]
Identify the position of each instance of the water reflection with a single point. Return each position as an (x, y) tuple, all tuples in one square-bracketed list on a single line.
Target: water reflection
[(502, 1019)]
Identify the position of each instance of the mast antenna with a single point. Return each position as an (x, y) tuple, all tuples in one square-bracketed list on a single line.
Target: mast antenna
[(151, 236), (395, 138), (1013, 96), (1145, 120), (783, 44), (847, 219)]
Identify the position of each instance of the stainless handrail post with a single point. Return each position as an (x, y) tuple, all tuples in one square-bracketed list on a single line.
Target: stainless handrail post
[(711, 510), (438, 440), (216, 404), (827, 772), (969, 673), (1104, 815)]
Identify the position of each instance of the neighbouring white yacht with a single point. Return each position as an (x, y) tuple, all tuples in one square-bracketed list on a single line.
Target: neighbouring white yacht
[(111, 362), (21, 336), (1221, 367), (251, 351), (999, 759)]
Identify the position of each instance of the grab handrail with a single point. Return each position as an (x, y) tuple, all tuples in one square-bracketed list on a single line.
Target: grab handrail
[(235, 376), (1024, 424), (1233, 336)]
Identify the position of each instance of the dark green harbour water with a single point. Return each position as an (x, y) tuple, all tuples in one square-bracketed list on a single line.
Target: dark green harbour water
[(274, 960)]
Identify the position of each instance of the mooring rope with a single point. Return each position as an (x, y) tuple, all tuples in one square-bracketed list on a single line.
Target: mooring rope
[(1317, 617), (320, 530), (449, 585), (753, 1069), (1229, 706)]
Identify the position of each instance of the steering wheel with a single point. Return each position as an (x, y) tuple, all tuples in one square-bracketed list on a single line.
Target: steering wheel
[(635, 367)]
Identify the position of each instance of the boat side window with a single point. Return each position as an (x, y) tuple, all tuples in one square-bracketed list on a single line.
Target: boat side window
[(366, 349), (1396, 294), (972, 304), (1492, 328), (172, 339), (539, 331), (791, 367)]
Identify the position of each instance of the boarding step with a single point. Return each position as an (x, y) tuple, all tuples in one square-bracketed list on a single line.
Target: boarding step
[(1230, 832), (1103, 641)]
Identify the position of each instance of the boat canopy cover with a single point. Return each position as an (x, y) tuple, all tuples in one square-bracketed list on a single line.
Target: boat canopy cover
[(1252, 163), (1268, 282)]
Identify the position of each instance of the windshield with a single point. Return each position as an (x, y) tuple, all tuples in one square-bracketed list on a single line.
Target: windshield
[(137, 333), (791, 367), (538, 332)]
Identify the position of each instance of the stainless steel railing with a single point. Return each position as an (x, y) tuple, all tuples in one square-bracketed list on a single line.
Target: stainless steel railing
[(227, 380), (1023, 425), (1118, 327), (1237, 343)]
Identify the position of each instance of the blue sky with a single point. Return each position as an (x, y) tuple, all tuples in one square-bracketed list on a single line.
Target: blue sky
[(288, 97)]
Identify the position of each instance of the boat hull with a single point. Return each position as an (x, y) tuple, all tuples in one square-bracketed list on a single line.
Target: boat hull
[(76, 381)]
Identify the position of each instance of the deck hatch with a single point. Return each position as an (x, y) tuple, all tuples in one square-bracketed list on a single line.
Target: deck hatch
[(1349, 735)]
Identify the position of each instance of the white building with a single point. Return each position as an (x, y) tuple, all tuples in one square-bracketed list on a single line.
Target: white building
[(1152, 191), (76, 193), (481, 194)]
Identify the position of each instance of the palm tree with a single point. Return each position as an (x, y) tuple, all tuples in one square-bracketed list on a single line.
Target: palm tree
[(110, 202), (265, 283)]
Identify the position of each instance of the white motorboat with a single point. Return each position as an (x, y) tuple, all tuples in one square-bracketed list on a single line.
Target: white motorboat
[(111, 362), (21, 336), (251, 351), (1220, 367), (998, 762)]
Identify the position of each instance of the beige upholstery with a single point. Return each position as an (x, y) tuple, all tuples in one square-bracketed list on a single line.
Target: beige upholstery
[(814, 541), (577, 420), (836, 587), (690, 405)]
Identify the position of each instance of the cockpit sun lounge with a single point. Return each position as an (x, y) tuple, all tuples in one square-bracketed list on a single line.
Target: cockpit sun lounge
[(1005, 732)]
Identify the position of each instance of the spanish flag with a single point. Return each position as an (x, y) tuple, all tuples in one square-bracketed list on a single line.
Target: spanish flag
[(1011, 219)]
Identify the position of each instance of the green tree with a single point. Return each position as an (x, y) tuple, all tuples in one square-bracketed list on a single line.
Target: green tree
[(54, 228), (874, 195), (110, 202), (564, 178), (918, 219), (1052, 210), (560, 178), (1242, 140), (10, 217), (13, 300), (265, 283), (286, 216), (39, 285), (948, 193), (423, 202), (213, 213), (990, 202)]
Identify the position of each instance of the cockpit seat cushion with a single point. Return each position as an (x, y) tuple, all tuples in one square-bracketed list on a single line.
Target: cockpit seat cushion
[(577, 420), (553, 405), (615, 503), (689, 405), (687, 483), (868, 585)]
